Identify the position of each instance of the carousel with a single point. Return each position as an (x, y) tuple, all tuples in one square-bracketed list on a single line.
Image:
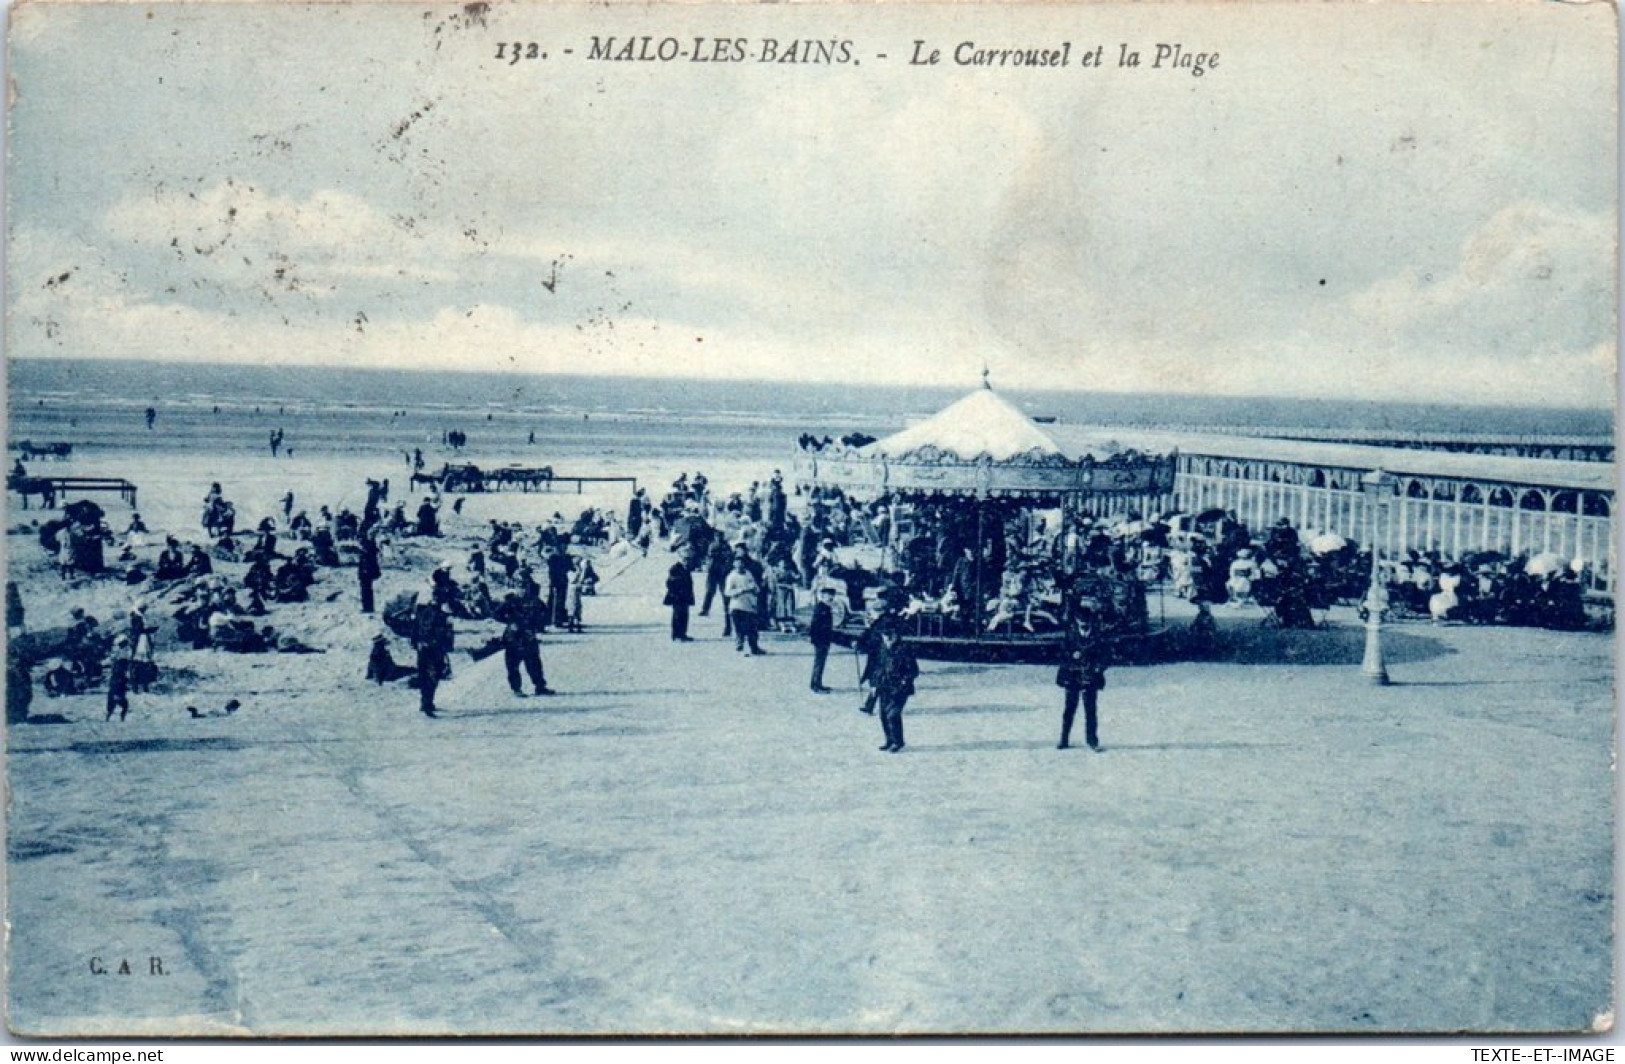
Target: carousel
[(994, 536)]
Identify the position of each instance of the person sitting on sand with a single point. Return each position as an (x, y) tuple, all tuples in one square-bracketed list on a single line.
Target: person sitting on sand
[(346, 526), (259, 577), (293, 580), (477, 601), (199, 564), (235, 634), (264, 542), (287, 644), (382, 668), (327, 552), (171, 563), (444, 590), (58, 678), (231, 707)]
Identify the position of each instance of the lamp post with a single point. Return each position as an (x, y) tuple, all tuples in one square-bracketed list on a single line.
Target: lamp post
[(1378, 487)]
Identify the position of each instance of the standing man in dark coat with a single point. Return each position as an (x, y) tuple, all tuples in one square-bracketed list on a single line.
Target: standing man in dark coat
[(719, 560), (776, 503), (428, 519), (432, 637), (521, 622), (634, 515), (118, 681), (1082, 672), (680, 597), (822, 633), (558, 585), (368, 569), (895, 671)]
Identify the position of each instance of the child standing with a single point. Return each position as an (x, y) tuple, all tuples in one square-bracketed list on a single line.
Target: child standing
[(784, 596), (572, 596)]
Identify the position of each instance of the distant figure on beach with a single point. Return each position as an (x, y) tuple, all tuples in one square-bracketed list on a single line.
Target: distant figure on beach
[(1082, 673), (428, 519), (118, 680), (680, 597), (636, 514), (14, 609), (558, 585), (574, 590), (152, 416), (276, 442), (368, 569)]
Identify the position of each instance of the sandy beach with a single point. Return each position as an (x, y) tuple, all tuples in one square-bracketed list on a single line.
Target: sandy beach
[(687, 840), (1285, 304)]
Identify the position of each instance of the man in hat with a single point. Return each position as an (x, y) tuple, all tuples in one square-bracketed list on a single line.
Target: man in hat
[(558, 585), (432, 637), (521, 624), (869, 644), (821, 631), (742, 593), (894, 674), (718, 562), (118, 680), (1082, 673), (368, 568)]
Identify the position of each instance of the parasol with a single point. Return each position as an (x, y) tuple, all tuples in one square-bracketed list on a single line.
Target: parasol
[(1545, 564), (1327, 543)]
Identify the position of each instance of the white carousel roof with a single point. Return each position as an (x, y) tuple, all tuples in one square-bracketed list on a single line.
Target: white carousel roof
[(981, 425)]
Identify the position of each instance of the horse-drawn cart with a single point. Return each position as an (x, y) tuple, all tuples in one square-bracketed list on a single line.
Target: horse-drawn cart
[(472, 480)]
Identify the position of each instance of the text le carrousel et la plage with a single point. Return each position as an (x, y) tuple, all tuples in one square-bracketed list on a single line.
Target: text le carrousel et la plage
[(922, 54)]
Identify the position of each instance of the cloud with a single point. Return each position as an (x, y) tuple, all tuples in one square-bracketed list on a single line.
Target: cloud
[(1430, 207), (1531, 281)]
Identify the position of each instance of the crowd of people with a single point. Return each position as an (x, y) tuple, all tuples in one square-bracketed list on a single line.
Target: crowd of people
[(768, 560)]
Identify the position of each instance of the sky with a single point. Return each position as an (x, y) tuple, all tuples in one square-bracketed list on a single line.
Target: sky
[(1373, 201)]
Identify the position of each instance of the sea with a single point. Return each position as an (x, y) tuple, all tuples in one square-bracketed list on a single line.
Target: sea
[(203, 408)]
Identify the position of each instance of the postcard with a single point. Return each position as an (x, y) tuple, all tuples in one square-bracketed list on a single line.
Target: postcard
[(818, 519)]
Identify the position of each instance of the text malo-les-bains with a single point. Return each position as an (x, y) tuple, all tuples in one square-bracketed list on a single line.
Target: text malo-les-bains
[(650, 49)]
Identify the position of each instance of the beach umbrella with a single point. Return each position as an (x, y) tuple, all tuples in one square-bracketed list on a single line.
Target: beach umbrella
[(400, 613), (1327, 543), (1544, 564)]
